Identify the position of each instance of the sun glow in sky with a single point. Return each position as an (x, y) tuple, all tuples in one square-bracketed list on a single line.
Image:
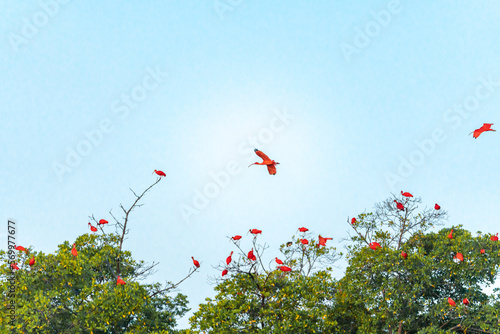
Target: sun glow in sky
[(348, 127)]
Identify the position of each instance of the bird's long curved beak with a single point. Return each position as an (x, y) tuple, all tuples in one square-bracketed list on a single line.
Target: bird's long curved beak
[(251, 164)]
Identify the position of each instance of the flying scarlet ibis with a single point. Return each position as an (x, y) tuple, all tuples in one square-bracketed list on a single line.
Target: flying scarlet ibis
[(322, 241), (304, 241), (451, 302), (285, 268), (399, 205), (303, 229), (93, 228), (224, 272), (482, 251), (14, 266), (484, 128), (459, 257), (465, 301), (196, 263), (278, 261), (21, 248), (271, 164), (74, 251), (494, 237), (32, 261), (406, 194), (374, 245), (251, 255), (255, 231), (102, 222), (159, 173), (229, 259), (450, 236), (236, 237), (404, 255), (353, 221), (119, 281)]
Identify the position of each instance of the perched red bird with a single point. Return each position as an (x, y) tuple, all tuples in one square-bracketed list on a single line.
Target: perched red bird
[(374, 245), (437, 207), (196, 263), (32, 261), (353, 221), (119, 281), (450, 236), (322, 241), (229, 259), (14, 266), (494, 237), (21, 248), (484, 128), (304, 241), (404, 255), (459, 257), (74, 251), (159, 173), (93, 228), (251, 255), (399, 205), (271, 164), (255, 231), (451, 302), (236, 237), (285, 268), (303, 229), (224, 272), (102, 222), (482, 251), (278, 261), (406, 194), (465, 301)]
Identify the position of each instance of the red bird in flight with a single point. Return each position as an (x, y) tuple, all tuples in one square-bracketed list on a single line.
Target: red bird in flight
[(119, 281), (159, 173), (271, 164), (92, 228), (406, 194), (74, 251), (229, 258), (399, 205), (484, 128), (322, 241), (278, 261), (196, 263), (303, 229), (255, 231)]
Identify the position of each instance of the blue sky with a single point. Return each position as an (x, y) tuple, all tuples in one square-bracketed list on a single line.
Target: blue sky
[(346, 127)]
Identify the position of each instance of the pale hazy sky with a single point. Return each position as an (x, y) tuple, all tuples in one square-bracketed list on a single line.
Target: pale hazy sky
[(342, 94)]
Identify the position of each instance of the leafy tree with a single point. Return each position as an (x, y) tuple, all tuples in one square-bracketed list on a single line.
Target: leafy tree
[(261, 298), (62, 293), (384, 292)]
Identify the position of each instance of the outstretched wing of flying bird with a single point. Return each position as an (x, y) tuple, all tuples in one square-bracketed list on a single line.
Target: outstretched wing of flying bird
[(262, 155), (271, 169)]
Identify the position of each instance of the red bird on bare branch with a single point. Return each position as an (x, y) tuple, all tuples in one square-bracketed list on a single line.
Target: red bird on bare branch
[(406, 194), (271, 164), (92, 228), (196, 263), (484, 128), (255, 231), (159, 173)]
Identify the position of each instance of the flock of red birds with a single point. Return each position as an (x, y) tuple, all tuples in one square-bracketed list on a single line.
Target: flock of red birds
[(271, 167), (459, 257)]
